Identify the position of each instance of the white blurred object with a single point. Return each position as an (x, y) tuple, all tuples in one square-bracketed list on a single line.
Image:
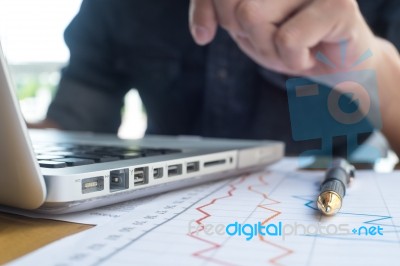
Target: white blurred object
[(35, 109), (386, 165), (134, 120)]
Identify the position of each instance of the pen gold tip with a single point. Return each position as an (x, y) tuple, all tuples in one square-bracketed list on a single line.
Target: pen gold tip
[(329, 202)]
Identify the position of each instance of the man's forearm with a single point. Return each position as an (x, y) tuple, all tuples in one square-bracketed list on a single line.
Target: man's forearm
[(43, 124)]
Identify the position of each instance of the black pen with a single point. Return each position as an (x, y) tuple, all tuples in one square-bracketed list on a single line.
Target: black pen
[(333, 189)]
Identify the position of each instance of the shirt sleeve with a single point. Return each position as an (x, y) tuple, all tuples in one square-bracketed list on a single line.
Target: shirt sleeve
[(78, 107), (91, 90), (390, 21)]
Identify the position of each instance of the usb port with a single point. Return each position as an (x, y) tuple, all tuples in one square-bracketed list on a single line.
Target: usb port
[(92, 184), (140, 176), (174, 170), (192, 167), (158, 173)]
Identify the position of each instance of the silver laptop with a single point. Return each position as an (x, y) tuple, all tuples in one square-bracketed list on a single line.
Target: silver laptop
[(59, 172)]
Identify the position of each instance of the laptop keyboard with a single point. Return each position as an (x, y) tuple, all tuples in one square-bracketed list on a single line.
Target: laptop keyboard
[(69, 155)]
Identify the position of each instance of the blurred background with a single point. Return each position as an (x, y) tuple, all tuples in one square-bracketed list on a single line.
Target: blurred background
[(31, 33)]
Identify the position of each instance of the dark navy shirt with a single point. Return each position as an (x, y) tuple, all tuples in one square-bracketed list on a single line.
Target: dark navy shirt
[(214, 91)]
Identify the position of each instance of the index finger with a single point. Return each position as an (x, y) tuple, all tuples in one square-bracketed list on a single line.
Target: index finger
[(202, 21)]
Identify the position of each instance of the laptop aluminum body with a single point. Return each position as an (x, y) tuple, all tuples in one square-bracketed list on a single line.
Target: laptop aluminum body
[(180, 162)]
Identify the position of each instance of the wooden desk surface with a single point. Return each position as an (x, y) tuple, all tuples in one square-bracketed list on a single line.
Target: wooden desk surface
[(20, 235)]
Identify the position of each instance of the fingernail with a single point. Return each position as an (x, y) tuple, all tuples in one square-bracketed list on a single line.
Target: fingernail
[(201, 35)]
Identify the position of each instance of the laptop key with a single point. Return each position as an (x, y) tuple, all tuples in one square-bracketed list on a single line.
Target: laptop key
[(120, 155), (83, 148), (60, 153), (129, 155), (97, 158), (52, 164), (108, 159), (48, 157), (169, 151), (75, 161), (152, 152)]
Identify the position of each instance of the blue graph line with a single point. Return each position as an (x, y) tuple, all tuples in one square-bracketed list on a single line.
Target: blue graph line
[(311, 204)]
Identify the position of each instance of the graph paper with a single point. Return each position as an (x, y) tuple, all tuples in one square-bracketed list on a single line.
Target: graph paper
[(188, 227)]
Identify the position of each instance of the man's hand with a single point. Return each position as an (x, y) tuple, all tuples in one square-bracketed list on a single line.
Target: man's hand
[(285, 35)]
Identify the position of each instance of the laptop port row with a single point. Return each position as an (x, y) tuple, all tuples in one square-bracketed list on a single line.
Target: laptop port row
[(119, 179)]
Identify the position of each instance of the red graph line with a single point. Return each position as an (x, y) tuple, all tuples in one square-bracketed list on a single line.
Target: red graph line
[(286, 250), (194, 234)]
